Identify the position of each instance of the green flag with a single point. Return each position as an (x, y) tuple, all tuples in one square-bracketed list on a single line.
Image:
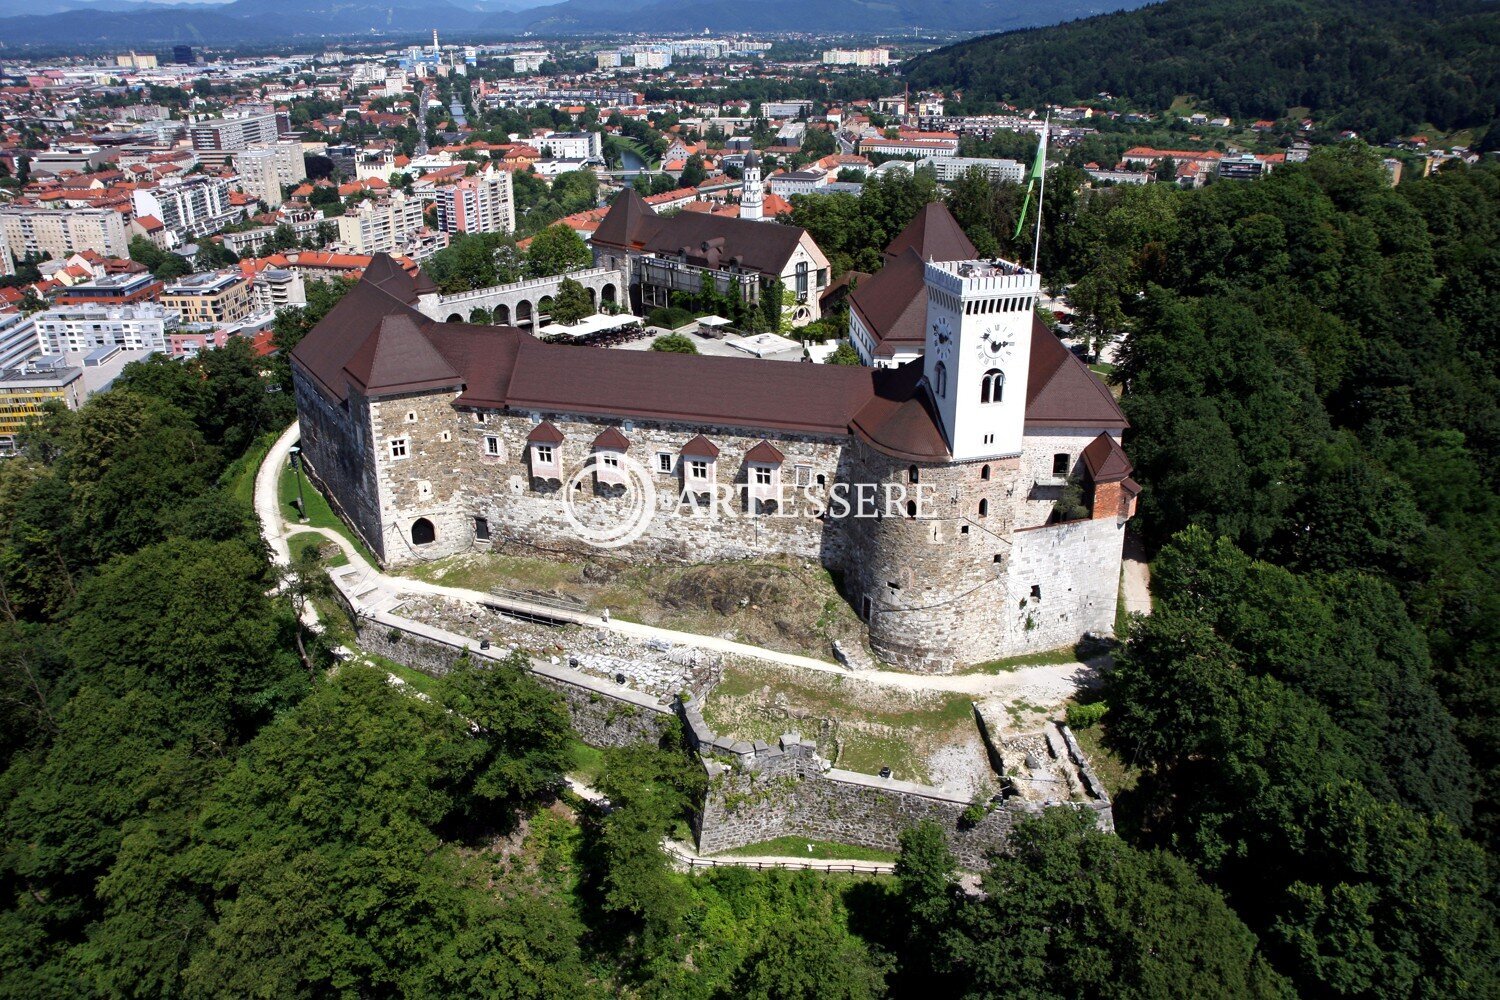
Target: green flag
[(1037, 167)]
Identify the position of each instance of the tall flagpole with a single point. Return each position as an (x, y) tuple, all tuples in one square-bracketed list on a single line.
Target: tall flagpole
[(1036, 251)]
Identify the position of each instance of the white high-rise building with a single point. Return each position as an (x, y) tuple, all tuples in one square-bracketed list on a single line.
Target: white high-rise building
[(977, 353), (18, 341), (483, 203), (190, 206), (83, 328), (382, 225), (259, 177)]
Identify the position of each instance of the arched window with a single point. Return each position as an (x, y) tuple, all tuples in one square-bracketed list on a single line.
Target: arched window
[(940, 379), (422, 532), (911, 508), (801, 279), (984, 508), (992, 389), (911, 474), (984, 473)]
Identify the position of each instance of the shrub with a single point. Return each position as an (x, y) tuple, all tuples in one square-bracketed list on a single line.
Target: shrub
[(669, 317), (674, 343), (1084, 716)]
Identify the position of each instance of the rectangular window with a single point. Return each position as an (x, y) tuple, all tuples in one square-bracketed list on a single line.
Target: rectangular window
[(1060, 464), (613, 461), (480, 417), (664, 462), (698, 468), (803, 474), (481, 528), (544, 454), (492, 446), (398, 448), (762, 476)]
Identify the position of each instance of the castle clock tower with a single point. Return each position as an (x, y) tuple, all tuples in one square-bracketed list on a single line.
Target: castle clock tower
[(978, 350)]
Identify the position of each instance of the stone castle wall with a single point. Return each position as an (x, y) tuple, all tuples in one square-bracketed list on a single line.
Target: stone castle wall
[(1037, 489), (603, 714), (948, 586), (1062, 581), (338, 451), (758, 793)]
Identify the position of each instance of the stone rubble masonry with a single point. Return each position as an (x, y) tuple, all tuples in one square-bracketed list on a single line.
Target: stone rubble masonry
[(759, 792), (767, 791), (603, 714), (949, 587)]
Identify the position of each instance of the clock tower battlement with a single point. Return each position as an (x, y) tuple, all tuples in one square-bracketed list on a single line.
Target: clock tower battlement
[(978, 352)]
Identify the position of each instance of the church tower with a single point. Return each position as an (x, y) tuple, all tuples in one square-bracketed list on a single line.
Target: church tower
[(978, 351), (752, 193)]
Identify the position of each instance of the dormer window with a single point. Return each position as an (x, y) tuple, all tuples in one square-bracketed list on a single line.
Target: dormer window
[(763, 476), (544, 443), (699, 457), (609, 451)]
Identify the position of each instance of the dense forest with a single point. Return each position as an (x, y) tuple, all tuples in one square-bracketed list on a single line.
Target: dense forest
[(1381, 67), (196, 802)]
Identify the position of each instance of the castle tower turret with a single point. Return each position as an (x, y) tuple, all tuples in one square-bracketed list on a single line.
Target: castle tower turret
[(978, 349), (752, 193)]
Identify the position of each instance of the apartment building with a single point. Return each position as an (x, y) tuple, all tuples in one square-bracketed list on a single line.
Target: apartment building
[(950, 168), (85, 328), (381, 225), (259, 177), (62, 232), (483, 203), (217, 139), (210, 298), (18, 341), (189, 206), (25, 392)]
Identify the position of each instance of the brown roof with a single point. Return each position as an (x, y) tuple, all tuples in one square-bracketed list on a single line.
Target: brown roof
[(397, 352), (1062, 392), (1105, 460), (611, 439), (701, 447), (386, 274), (898, 418), (545, 433), (935, 234), (699, 238), (765, 453), (628, 222), (376, 343), (893, 304)]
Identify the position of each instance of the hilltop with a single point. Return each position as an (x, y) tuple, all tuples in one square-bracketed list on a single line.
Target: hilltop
[(1377, 66)]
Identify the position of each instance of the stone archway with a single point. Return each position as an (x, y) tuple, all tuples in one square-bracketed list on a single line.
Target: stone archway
[(543, 308), (608, 292), (502, 315), (422, 532), (455, 318), (523, 313)]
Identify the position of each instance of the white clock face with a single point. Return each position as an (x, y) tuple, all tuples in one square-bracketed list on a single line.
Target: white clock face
[(942, 339), (994, 344)]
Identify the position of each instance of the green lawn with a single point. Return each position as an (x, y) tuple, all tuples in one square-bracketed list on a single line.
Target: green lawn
[(300, 542), (1046, 658), (239, 477), (588, 762), (319, 514), (797, 847), (1118, 775)]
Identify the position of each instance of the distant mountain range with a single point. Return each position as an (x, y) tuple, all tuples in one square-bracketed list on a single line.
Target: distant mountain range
[(142, 24)]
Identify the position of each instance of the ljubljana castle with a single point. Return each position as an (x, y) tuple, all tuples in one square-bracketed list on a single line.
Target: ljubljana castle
[(438, 438)]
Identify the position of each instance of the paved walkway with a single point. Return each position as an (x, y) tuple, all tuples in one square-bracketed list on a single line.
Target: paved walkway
[(381, 591)]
